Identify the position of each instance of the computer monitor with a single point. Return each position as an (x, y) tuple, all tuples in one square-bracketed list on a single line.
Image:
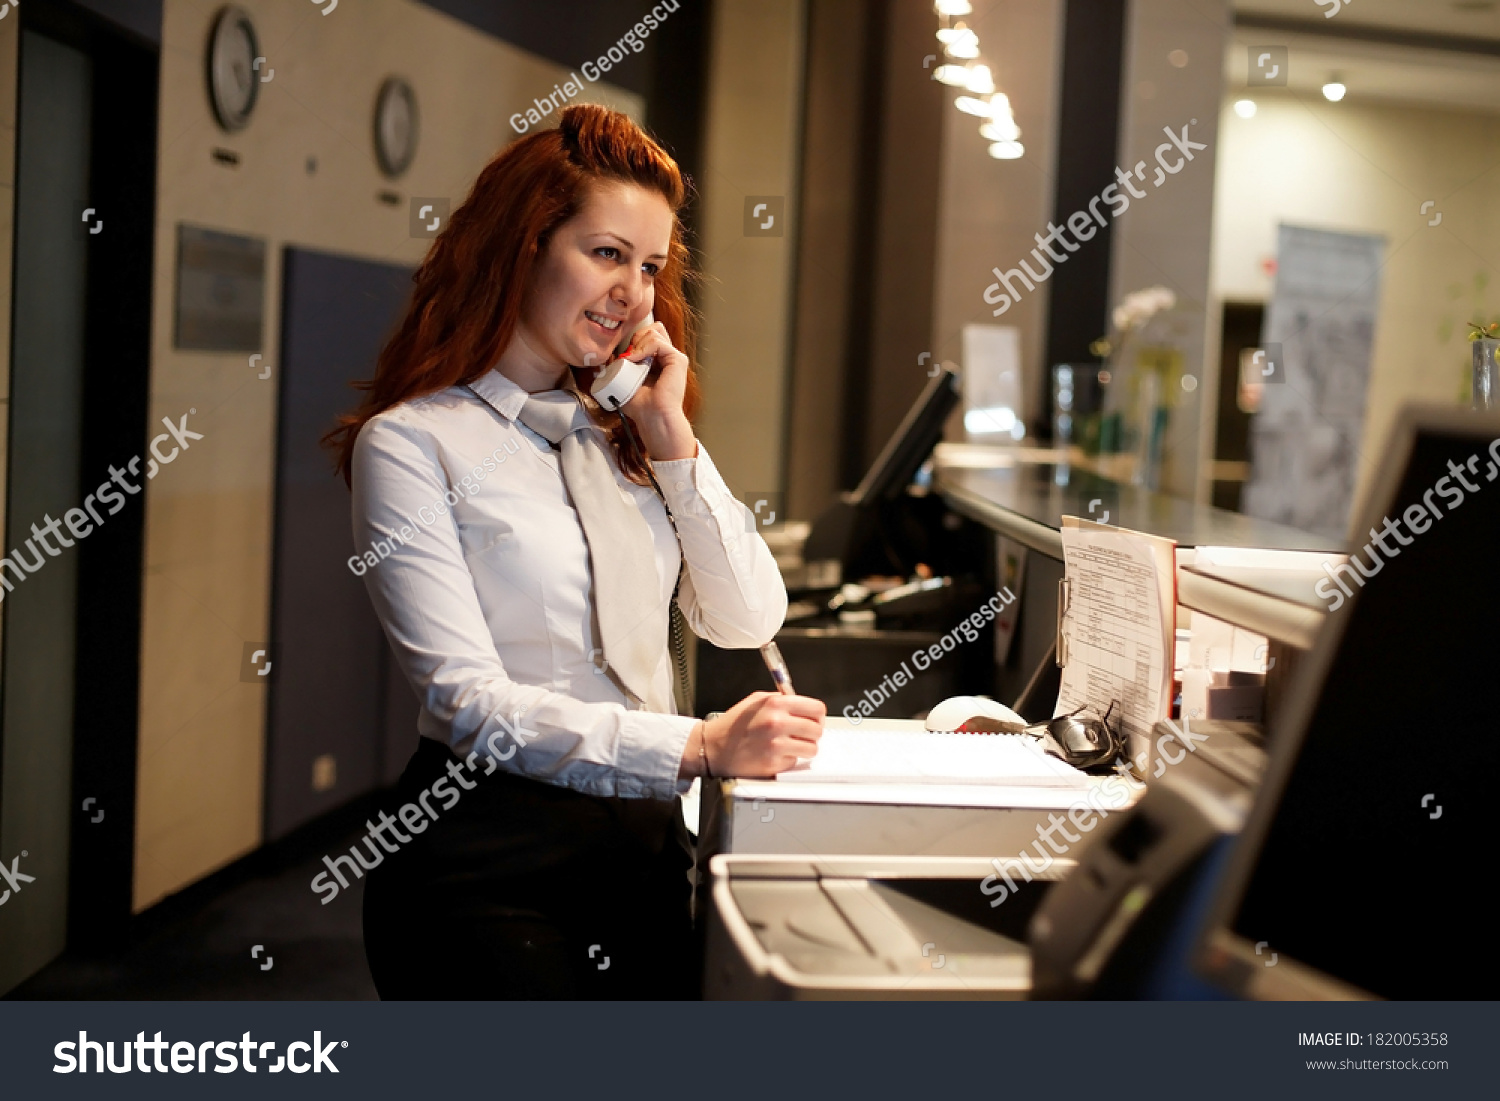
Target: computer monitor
[(1360, 866), (911, 443)]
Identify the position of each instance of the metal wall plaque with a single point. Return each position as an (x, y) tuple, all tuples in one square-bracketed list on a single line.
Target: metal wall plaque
[(221, 282)]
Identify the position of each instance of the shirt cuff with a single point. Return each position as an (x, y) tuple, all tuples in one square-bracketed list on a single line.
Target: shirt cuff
[(650, 757), (694, 487)]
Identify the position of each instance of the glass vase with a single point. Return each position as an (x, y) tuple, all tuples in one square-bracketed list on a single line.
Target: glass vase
[(1485, 380)]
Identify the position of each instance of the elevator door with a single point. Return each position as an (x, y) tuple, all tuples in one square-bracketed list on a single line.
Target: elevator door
[(40, 597), (341, 719)]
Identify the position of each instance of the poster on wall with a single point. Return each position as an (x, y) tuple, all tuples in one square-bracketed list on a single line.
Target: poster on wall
[(1314, 363)]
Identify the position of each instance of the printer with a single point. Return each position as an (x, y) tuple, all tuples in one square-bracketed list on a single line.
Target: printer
[(1097, 920)]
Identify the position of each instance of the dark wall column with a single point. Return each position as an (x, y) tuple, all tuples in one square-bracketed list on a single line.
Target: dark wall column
[(1089, 132), (869, 201), (845, 48)]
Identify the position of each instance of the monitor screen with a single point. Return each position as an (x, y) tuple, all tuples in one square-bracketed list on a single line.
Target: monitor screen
[(1369, 846), (911, 443)]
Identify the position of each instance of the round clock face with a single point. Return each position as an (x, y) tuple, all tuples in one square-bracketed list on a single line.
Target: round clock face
[(395, 126), (232, 80)]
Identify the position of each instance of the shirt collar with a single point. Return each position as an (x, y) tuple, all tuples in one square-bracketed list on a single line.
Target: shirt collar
[(500, 392), (506, 396)]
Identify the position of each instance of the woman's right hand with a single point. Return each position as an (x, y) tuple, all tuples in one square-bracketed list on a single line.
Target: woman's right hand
[(763, 734)]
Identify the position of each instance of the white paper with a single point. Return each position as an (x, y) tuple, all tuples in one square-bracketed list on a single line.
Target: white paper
[(1118, 630), (914, 793), (1257, 558), (933, 757)]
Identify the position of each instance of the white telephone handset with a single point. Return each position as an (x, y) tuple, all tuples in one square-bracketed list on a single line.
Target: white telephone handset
[(616, 384)]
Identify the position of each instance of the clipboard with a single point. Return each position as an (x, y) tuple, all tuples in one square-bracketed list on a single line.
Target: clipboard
[(1116, 623)]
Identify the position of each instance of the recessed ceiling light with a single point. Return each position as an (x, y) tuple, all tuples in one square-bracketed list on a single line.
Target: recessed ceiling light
[(1334, 91), (980, 81), (959, 42), (1245, 108), (1000, 130), (1007, 150)]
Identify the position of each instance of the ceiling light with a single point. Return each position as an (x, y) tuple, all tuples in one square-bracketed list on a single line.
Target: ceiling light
[(971, 106), (980, 82), (952, 7), (956, 75), (1000, 130), (1334, 91), (1007, 150), (1245, 108), (964, 45)]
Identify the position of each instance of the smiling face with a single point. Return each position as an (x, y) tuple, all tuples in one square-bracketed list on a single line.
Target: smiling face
[(594, 280)]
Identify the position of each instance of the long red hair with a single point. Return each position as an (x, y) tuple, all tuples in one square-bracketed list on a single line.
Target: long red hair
[(467, 294)]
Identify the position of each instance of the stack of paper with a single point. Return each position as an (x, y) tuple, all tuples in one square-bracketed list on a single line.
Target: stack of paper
[(936, 757)]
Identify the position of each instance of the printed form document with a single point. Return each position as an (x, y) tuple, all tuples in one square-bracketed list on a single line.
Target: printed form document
[(1117, 623)]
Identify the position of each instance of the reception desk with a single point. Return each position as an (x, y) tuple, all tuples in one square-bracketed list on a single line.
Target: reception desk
[(766, 841), (1017, 497), (1023, 497)]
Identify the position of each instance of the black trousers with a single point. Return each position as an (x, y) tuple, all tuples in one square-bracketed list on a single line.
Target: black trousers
[(529, 890)]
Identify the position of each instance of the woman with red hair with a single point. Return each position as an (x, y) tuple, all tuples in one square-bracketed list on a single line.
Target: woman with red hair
[(529, 551)]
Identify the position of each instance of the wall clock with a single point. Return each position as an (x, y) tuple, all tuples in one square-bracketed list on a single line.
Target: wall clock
[(233, 82), (395, 126)]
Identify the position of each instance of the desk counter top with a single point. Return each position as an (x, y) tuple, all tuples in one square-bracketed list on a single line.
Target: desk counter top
[(1024, 499), (1027, 501)]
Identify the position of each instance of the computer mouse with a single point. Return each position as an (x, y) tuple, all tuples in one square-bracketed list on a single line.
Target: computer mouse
[(975, 714)]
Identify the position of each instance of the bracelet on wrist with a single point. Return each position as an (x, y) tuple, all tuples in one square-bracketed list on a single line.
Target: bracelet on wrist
[(703, 752)]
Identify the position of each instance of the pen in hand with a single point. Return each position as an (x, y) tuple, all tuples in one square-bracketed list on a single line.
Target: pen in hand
[(777, 665)]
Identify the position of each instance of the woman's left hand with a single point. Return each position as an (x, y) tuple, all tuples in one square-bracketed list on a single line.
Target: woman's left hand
[(656, 407)]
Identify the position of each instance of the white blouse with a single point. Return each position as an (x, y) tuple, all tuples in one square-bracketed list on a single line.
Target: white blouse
[(476, 563)]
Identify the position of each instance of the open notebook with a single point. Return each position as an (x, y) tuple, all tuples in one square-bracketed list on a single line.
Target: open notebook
[(867, 755)]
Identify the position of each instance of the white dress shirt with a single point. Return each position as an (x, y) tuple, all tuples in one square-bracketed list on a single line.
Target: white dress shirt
[(476, 563)]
